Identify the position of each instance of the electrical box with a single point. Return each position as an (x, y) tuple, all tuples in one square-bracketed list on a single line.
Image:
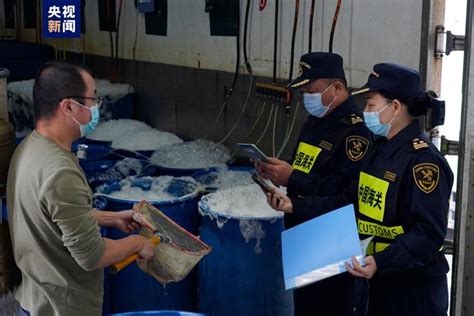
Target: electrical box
[(156, 22), (29, 14), (107, 20), (223, 16), (145, 6)]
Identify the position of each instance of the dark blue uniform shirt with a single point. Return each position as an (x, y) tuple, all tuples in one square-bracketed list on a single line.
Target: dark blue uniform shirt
[(402, 201), (328, 154)]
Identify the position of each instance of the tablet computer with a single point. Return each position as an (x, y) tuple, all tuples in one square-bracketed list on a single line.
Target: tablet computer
[(265, 187), (252, 151)]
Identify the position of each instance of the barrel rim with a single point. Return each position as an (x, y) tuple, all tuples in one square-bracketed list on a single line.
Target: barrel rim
[(204, 208), (245, 169), (158, 312), (236, 169), (188, 170), (181, 199), (88, 140)]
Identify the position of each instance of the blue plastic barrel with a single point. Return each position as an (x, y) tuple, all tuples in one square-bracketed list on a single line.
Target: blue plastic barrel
[(132, 289), (23, 59), (181, 172), (235, 279), (98, 150), (208, 176), (93, 170), (158, 313), (120, 109), (18, 140), (95, 152), (139, 154), (88, 141)]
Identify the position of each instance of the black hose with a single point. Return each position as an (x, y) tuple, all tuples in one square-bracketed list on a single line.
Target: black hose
[(109, 14), (117, 33), (247, 64), (136, 35), (275, 40), (334, 22), (18, 20), (311, 17), (249, 69), (229, 93), (237, 64), (111, 46), (293, 38)]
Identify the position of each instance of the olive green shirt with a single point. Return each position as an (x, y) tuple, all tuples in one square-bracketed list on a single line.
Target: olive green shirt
[(56, 239)]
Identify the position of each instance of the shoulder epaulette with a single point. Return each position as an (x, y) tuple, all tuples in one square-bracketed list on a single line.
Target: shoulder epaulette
[(419, 143), (353, 119)]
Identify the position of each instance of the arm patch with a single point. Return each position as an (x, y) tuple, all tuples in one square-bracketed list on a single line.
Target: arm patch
[(356, 147), (426, 176)]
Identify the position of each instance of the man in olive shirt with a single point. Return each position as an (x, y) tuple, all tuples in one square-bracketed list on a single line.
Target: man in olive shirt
[(54, 230)]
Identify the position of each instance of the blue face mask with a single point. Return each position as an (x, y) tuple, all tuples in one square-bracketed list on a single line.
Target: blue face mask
[(89, 127), (313, 103), (372, 121)]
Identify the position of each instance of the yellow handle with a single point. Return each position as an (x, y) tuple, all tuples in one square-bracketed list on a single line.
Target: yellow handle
[(114, 269)]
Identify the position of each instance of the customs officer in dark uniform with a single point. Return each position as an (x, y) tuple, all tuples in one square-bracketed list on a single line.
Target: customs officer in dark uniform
[(402, 199), (330, 148)]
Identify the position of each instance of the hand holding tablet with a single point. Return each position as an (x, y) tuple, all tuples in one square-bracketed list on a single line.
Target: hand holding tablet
[(253, 152)]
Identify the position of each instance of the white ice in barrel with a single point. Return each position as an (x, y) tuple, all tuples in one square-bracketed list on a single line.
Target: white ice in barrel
[(156, 190), (224, 178), (248, 202), (129, 166), (20, 101), (146, 140), (196, 154), (121, 169), (20, 105), (116, 129), (248, 205), (252, 229), (23, 89), (114, 91)]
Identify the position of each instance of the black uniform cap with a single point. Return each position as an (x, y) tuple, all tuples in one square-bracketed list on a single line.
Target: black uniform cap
[(394, 79), (318, 65)]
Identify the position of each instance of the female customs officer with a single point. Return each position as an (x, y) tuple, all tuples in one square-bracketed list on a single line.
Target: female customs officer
[(401, 198)]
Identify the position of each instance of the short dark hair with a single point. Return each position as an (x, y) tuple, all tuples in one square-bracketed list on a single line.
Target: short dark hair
[(55, 81), (416, 106), (332, 80)]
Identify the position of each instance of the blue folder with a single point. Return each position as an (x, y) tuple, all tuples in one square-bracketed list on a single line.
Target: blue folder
[(318, 248)]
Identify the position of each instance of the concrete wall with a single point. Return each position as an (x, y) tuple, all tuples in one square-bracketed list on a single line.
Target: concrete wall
[(186, 101), (181, 78)]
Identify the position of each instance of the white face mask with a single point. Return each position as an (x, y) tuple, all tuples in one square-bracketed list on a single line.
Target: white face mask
[(313, 102)]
